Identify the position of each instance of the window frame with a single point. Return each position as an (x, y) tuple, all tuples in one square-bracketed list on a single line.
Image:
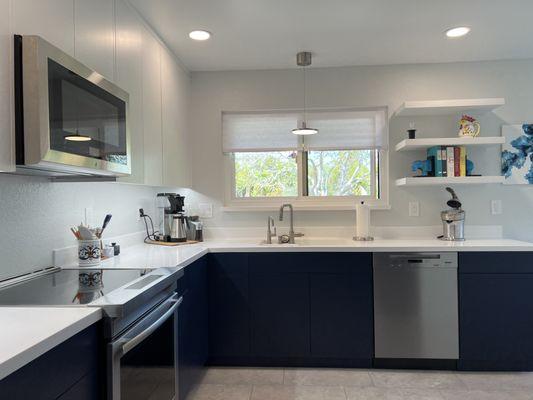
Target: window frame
[(233, 203)]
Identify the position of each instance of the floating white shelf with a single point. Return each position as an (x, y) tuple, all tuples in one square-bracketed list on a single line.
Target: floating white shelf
[(448, 107), (454, 180), (417, 144)]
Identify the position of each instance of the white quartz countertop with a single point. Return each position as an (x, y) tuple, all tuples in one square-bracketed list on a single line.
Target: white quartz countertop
[(155, 256), (29, 332)]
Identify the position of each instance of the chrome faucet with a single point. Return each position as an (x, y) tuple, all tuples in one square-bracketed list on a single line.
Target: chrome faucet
[(292, 235), (270, 225)]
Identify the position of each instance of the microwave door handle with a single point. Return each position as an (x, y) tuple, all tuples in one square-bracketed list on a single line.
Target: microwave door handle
[(130, 344)]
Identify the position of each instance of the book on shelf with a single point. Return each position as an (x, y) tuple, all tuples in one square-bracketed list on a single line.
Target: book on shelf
[(447, 161), (450, 161)]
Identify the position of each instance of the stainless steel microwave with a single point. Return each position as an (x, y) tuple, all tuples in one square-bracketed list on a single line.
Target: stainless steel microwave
[(69, 119)]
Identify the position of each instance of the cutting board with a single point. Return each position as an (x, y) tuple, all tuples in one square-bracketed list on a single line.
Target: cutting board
[(171, 244)]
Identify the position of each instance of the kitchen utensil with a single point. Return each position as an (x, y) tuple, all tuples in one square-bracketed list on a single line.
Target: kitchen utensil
[(104, 225), (86, 233)]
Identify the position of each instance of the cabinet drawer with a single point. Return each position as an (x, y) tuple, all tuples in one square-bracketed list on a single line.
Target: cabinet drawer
[(508, 262)]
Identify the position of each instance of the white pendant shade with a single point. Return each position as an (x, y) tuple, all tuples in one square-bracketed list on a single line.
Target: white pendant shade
[(304, 130)]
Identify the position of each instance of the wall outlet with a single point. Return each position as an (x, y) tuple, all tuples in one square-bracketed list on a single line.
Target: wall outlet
[(88, 216), (414, 209), (205, 210), (496, 207)]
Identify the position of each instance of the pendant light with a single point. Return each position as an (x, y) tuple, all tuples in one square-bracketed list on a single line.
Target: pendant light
[(76, 136), (303, 59)]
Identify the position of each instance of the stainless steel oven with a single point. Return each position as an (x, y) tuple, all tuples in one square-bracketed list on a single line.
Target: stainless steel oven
[(69, 119), (143, 361)]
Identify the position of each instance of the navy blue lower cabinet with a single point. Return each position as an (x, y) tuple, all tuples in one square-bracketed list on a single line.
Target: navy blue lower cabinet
[(496, 311), (229, 310), (192, 326), (280, 317), (341, 325), (72, 370), (311, 309)]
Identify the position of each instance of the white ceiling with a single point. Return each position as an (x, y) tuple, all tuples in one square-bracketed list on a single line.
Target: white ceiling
[(265, 34)]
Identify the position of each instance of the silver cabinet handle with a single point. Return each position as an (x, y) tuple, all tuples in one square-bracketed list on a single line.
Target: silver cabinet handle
[(133, 342)]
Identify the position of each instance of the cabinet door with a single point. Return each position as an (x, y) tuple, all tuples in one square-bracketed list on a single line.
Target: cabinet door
[(175, 92), (95, 35), (193, 326), (7, 145), (129, 77), (279, 303), (58, 370), (51, 19), (87, 388), (341, 309), (229, 312), (496, 321), (151, 103)]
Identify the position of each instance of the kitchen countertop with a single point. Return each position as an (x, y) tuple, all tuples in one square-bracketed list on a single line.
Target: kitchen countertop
[(29, 332), (154, 256)]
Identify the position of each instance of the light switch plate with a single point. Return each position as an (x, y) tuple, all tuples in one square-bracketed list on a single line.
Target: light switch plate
[(496, 207), (414, 209), (205, 210)]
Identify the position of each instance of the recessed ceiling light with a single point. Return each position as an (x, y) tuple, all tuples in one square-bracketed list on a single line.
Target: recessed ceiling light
[(199, 35), (457, 32)]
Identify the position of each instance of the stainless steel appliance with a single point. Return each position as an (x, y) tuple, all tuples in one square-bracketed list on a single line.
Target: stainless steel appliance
[(69, 120), (453, 220), (416, 306), (140, 321), (178, 228), (140, 366), (453, 225), (172, 221)]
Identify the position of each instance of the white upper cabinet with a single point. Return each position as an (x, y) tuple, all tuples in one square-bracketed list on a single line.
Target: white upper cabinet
[(95, 35), (7, 158), (151, 103), (51, 19), (175, 86), (129, 77)]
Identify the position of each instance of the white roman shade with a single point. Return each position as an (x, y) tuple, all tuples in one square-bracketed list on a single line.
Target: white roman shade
[(337, 130), (261, 131), (348, 130)]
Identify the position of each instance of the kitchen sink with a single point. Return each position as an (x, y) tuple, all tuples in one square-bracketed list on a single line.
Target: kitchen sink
[(308, 241)]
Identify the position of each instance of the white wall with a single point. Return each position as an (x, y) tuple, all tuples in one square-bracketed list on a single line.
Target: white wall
[(35, 216), (213, 92)]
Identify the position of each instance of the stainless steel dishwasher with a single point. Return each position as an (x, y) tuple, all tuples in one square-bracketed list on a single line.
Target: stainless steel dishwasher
[(416, 306)]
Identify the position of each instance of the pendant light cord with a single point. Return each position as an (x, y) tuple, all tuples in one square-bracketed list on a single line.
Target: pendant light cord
[(305, 97)]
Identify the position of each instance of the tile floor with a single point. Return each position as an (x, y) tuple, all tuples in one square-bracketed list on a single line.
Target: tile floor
[(356, 384)]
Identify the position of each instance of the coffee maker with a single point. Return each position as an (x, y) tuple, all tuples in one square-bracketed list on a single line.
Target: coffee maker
[(173, 223)]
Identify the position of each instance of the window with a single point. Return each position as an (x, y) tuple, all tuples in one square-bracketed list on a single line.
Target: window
[(343, 163)]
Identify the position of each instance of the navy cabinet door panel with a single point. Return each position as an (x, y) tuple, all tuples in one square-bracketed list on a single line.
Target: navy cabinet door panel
[(496, 321), (192, 326), (342, 315), (279, 305), (229, 313), (55, 372)]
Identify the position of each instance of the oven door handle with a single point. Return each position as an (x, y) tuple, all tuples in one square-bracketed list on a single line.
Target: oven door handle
[(130, 344)]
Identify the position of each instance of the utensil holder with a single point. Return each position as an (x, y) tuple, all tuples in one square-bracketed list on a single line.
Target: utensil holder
[(89, 253)]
